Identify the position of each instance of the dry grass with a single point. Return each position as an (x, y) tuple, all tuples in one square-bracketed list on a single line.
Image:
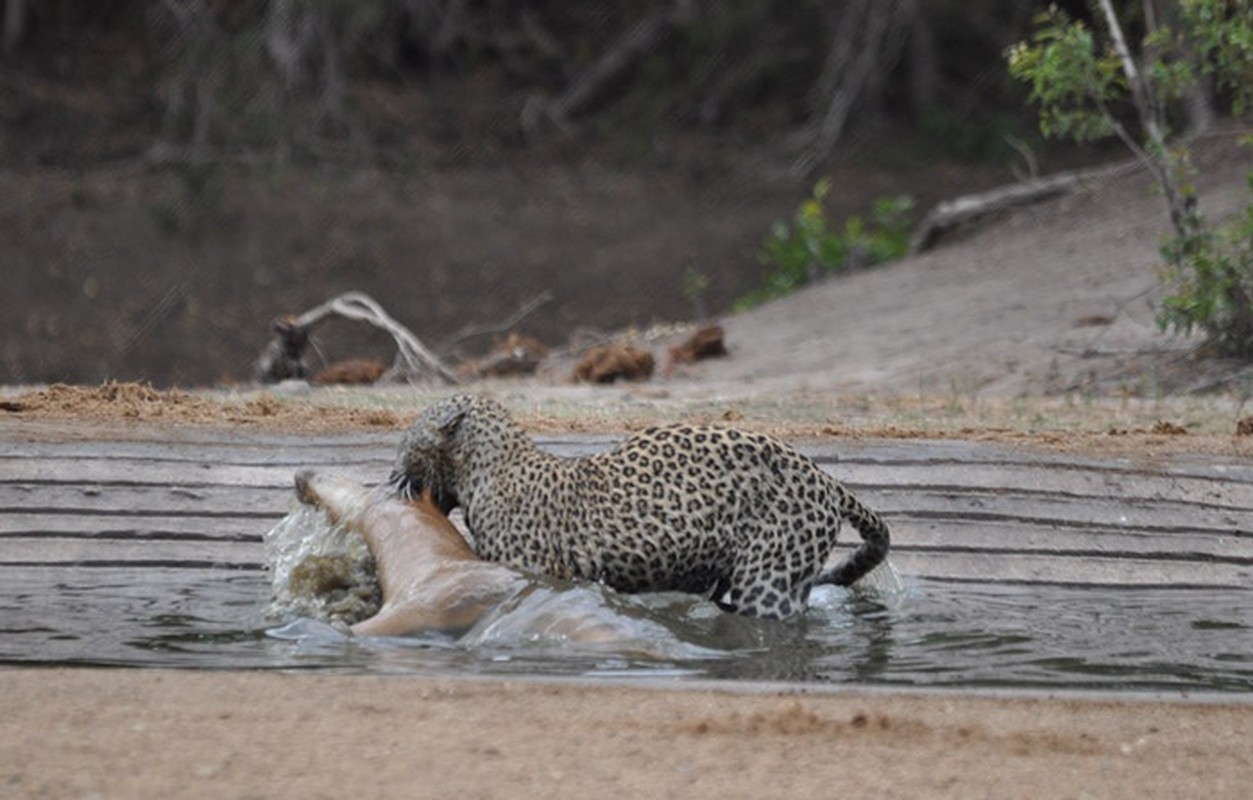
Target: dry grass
[(1123, 426)]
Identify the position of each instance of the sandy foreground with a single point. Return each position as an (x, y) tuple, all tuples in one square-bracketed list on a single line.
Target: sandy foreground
[(79, 733)]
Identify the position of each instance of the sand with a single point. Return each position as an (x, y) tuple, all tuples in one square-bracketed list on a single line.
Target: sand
[(161, 734)]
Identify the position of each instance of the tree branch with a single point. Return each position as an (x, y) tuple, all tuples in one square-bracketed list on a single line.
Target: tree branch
[(471, 331), (413, 360), (1184, 216)]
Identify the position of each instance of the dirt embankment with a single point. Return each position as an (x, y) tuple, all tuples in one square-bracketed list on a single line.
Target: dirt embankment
[(1053, 298), (122, 273)]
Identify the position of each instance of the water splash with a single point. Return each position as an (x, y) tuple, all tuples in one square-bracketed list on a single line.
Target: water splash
[(883, 580), (320, 571)]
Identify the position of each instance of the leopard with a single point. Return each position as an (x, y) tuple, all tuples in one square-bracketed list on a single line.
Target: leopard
[(734, 516)]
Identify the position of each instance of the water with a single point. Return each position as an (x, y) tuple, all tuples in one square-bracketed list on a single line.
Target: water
[(929, 634), (1016, 573)]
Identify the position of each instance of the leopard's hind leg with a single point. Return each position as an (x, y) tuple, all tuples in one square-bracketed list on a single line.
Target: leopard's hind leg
[(755, 590)]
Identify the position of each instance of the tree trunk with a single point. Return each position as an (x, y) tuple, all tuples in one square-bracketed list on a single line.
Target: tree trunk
[(14, 24), (1239, 335), (623, 53), (861, 45), (924, 68), (1185, 216), (288, 35)]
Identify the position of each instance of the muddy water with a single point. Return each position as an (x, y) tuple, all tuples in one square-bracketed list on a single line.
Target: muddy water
[(930, 633), (1019, 571)]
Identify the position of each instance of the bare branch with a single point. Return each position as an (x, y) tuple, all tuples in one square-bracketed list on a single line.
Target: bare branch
[(510, 322), (414, 362), (1141, 96)]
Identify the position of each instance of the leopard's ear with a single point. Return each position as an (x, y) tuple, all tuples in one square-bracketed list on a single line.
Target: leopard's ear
[(448, 423)]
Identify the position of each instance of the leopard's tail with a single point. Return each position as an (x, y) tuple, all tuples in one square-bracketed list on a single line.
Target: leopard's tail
[(875, 542)]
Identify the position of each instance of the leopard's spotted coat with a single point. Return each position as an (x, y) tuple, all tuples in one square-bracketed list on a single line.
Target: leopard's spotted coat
[(731, 515)]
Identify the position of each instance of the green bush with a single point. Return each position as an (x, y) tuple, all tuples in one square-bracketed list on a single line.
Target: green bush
[(1089, 83), (811, 246), (1211, 278)]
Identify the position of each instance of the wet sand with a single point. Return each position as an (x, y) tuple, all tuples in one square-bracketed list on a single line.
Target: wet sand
[(160, 734)]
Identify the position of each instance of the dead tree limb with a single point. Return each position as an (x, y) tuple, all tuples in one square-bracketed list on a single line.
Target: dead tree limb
[(963, 210), (414, 363)]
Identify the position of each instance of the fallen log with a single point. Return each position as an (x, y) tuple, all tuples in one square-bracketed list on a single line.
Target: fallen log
[(952, 214)]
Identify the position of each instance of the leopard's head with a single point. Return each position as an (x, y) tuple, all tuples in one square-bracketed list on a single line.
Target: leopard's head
[(437, 451)]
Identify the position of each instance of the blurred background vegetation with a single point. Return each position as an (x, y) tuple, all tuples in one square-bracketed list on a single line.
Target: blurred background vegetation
[(174, 173), (287, 80)]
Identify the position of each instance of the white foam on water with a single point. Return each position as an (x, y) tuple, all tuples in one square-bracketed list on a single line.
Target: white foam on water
[(883, 584), (320, 571), (882, 580)]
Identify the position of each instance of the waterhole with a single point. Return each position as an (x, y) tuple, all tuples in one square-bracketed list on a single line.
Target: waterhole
[(1018, 571)]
